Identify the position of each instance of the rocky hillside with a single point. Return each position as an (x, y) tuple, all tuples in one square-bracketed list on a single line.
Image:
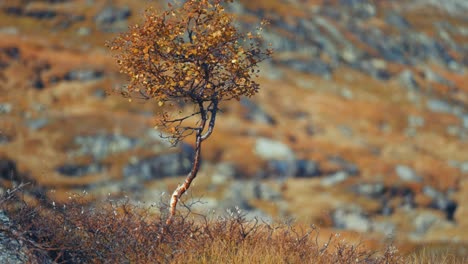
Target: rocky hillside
[(361, 124)]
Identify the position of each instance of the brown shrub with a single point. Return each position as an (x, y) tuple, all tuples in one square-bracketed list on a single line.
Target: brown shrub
[(119, 232)]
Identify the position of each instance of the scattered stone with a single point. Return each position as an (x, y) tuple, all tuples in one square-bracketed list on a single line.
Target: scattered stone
[(83, 75), (371, 190), (440, 201), (269, 149), (76, 170), (439, 106), (11, 52), (11, 250), (255, 113), (351, 218), (386, 228), (112, 18), (102, 145), (396, 20), (280, 168), (424, 221), (83, 31), (315, 66), (344, 165), (100, 93), (334, 179), (250, 190), (415, 121), (407, 174), (408, 81), (307, 168), (464, 119), (223, 173), (161, 166), (8, 169), (41, 14), (5, 108), (37, 124), (4, 139)]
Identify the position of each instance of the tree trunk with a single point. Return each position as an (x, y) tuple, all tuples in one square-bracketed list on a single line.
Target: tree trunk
[(181, 189)]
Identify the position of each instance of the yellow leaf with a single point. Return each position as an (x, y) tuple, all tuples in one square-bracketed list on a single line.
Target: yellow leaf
[(160, 103)]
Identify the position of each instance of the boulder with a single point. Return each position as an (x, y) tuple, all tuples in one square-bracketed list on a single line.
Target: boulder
[(102, 145), (112, 18), (8, 169), (5, 108), (407, 174), (77, 170), (307, 168), (269, 149), (253, 112), (439, 106), (441, 201), (334, 179), (15, 251), (351, 218), (83, 75), (161, 166), (223, 173)]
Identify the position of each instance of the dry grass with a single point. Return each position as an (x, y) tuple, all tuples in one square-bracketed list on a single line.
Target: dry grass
[(118, 232)]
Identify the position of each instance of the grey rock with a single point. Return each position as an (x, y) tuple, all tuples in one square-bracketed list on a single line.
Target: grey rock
[(15, 251), (100, 93), (439, 106), (344, 165), (280, 168), (464, 119), (464, 167), (83, 75), (256, 190), (11, 250), (396, 20), (423, 222), (432, 76), (102, 145), (351, 218), (111, 18), (223, 173), (315, 66), (8, 169), (334, 179), (9, 30), (37, 124), (41, 13), (4, 139), (407, 174), (441, 201), (386, 228), (77, 170), (5, 108), (408, 81), (269, 149), (372, 190), (161, 166), (415, 121), (307, 168), (255, 113)]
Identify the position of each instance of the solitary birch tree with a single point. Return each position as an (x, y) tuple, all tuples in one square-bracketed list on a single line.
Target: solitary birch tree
[(191, 56)]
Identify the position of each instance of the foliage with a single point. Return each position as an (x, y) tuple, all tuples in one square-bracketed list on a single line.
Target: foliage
[(192, 54)]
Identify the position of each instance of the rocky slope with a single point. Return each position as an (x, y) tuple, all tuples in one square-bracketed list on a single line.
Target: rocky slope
[(361, 123)]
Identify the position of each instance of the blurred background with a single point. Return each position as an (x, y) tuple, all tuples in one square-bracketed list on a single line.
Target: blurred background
[(360, 127)]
